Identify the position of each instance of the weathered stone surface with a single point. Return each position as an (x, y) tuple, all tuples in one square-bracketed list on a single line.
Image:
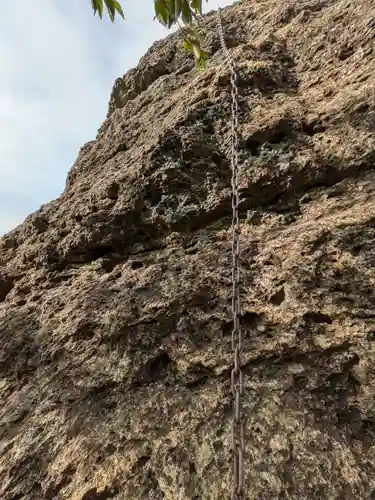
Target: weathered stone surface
[(115, 299)]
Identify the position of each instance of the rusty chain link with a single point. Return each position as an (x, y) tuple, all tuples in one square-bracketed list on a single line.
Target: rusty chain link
[(237, 379)]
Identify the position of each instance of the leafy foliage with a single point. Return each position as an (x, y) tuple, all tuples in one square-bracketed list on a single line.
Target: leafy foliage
[(112, 7), (184, 13)]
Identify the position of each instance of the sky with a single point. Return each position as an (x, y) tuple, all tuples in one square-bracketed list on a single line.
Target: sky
[(57, 66)]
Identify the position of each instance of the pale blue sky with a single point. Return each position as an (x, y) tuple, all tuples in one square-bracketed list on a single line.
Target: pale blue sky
[(57, 67)]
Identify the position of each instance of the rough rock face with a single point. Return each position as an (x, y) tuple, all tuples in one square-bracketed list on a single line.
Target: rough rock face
[(115, 299)]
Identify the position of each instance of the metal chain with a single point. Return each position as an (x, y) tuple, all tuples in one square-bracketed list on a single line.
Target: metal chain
[(237, 379)]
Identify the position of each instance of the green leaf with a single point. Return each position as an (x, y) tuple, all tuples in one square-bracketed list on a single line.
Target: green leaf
[(97, 6), (196, 5), (201, 62), (177, 8), (170, 5), (162, 13), (119, 9), (196, 49), (188, 46), (111, 9), (186, 12), (199, 54)]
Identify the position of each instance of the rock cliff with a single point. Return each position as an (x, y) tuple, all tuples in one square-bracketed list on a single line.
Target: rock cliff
[(115, 298)]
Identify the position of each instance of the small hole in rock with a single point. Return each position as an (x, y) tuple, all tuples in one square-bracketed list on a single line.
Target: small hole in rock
[(136, 264), (192, 469), (317, 317), (312, 128), (100, 251), (143, 460), (5, 287), (278, 297), (346, 52), (113, 190)]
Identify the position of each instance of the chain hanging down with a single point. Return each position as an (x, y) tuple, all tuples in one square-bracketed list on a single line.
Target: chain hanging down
[(237, 381)]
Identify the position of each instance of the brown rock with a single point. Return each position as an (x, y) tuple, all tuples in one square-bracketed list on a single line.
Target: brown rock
[(115, 299)]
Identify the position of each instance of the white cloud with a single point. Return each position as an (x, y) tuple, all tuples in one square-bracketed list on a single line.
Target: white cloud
[(57, 67)]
